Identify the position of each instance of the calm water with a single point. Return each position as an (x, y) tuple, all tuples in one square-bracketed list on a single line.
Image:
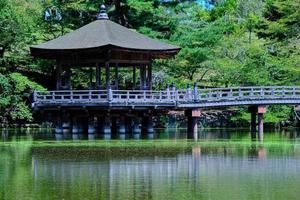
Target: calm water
[(35, 165)]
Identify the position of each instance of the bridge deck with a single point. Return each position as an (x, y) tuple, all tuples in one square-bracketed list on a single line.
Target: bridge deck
[(172, 98)]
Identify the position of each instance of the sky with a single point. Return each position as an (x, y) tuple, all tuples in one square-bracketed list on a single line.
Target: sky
[(205, 4)]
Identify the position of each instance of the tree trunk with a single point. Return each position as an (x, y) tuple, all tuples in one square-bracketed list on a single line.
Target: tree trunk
[(2, 49), (120, 13)]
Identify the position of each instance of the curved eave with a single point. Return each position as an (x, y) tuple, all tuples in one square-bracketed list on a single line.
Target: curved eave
[(58, 53)]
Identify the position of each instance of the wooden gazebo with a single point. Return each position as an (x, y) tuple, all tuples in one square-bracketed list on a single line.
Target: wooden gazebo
[(101, 45), (104, 44)]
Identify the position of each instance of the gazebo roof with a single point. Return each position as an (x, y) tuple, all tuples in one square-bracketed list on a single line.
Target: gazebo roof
[(103, 34)]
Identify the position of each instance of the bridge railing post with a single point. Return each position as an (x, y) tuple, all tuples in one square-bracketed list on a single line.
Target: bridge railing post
[(90, 95), (144, 95), (34, 96), (283, 92), (109, 95), (189, 93), (251, 92), (160, 95), (196, 92), (173, 91), (127, 96), (168, 92), (294, 92), (261, 92), (272, 92), (71, 96), (240, 92)]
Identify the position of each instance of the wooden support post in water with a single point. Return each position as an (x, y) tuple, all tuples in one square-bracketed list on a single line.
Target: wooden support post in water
[(261, 110), (121, 127), (253, 111), (253, 125), (58, 127), (91, 125), (136, 128), (192, 126), (150, 128), (107, 128), (257, 112), (147, 124), (75, 128), (66, 125), (260, 119)]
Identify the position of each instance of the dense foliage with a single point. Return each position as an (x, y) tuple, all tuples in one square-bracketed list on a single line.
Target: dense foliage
[(224, 43)]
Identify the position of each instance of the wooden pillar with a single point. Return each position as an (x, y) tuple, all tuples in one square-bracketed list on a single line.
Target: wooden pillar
[(260, 119), (117, 76), (91, 78), (107, 75), (68, 78), (75, 127), (149, 124), (134, 77), (58, 76), (121, 129), (136, 126), (144, 76), (66, 124), (192, 126), (141, 77), (149, 76), (261, 110), (58, 127), (91, 124), (149, 127), (107, 127), (98, 76)]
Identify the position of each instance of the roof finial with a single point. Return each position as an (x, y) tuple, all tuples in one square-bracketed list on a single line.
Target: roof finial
[(102, 14)]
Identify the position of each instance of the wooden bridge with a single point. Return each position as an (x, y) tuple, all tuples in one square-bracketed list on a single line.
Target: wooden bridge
[(171, 98), (191, 100)]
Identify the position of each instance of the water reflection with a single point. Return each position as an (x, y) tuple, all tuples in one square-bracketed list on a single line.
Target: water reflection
[(169, 133), (202, 173), (4, 134), (189, 171)]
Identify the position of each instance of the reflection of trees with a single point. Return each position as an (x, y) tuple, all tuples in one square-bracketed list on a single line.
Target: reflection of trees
[(14, 174), (131, 178), (201, 173)]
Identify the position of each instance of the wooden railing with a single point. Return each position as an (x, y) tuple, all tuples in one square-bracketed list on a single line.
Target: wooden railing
[(171, 97)]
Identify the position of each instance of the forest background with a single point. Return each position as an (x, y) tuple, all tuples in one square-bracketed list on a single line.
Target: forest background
[(224, 43)]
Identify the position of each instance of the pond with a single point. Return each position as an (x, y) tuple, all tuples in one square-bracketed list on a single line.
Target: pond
[(222, 164)]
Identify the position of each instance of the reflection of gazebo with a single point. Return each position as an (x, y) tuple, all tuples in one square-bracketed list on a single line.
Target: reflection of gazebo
[(104, 44)]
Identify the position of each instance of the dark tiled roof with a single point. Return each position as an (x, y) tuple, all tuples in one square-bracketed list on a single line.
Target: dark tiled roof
[(101, 33)]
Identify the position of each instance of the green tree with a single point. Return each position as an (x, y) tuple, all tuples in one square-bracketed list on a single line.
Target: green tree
[(15, 97)]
